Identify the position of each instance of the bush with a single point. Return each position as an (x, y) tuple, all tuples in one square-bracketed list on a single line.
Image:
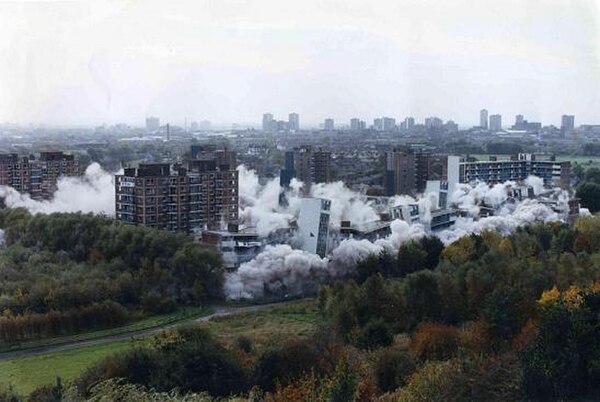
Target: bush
[(286, 363), (392, 368), (433, 341), (374, 335), (188, 359), (154, 303)]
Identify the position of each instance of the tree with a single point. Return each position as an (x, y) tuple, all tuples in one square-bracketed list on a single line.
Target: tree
[(589, 193), (411, 258), (375, 334), (564, 359), (393, 367), (421, 294), (433, 246), (432, 341), (592, 175)]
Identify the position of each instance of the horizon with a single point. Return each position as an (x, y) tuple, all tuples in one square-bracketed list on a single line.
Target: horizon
[(85, 64)]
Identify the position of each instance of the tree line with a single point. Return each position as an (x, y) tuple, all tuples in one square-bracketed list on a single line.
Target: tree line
[(71, 268)]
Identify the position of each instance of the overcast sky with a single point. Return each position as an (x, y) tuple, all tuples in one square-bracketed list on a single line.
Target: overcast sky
[(84, 63)]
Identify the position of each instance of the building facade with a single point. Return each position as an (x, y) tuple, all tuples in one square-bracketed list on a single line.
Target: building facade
[(495, 122), (203, 195), (483, 119), (517, 168), (313, 225), (37, 177), (407, 171), (307, 165)]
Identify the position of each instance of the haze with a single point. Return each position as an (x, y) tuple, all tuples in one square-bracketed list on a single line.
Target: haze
[(88, 63)]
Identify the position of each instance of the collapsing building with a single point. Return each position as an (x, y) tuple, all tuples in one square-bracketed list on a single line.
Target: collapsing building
[(313, 225)]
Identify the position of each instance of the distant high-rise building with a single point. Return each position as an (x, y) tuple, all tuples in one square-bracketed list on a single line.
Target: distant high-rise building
[(389, 124), (306, 165), (410, 123), (267, 122), (567, 124), (451, 126), (495, 122), (152, 123), (329, 125), (194, 126), (280, 125), (433, 122), (400, 174), (519, 119), (483, 119), (357, 125), (408, 170), (378, 124), (294, 122), (522, 124)]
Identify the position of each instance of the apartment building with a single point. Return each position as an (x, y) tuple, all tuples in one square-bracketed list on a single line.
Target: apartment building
[(307, 165), (37, 177), (519, 167), (186, 199)]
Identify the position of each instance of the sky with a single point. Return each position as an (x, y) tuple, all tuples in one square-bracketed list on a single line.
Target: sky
[(79, 63)]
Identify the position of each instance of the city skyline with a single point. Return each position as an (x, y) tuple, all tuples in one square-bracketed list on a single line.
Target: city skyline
[(84, 64)]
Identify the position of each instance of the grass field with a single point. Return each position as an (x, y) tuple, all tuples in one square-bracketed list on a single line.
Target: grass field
[(27, 373), (269, 326), (263, 327), (145, 323)]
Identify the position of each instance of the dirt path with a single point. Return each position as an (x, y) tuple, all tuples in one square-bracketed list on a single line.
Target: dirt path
[(219, 312)]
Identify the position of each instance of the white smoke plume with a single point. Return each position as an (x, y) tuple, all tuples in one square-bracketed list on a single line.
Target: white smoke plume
[(93, 192), (278, 270), (259, 205), (283, 270)]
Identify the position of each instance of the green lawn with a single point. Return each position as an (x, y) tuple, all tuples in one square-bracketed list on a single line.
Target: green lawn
[(264, 328), (145, 323), (27, 373)]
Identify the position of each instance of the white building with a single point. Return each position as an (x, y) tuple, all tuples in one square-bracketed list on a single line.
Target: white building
[(313, 225)]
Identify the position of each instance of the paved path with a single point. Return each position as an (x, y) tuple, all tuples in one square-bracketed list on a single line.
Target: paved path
[(219, 312)]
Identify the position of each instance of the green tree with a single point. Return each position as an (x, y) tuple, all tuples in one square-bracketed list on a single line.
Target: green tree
[(411, 258), (589, 193)]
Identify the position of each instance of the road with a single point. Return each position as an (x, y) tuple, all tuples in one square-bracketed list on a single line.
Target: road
[(220, 312)]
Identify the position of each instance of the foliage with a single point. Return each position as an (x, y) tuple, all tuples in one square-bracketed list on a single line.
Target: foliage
[(589, 193), (563, 361), (484, 379), (375, 334), (188, 359), (61, 271), (392, 368), (433, 341)]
